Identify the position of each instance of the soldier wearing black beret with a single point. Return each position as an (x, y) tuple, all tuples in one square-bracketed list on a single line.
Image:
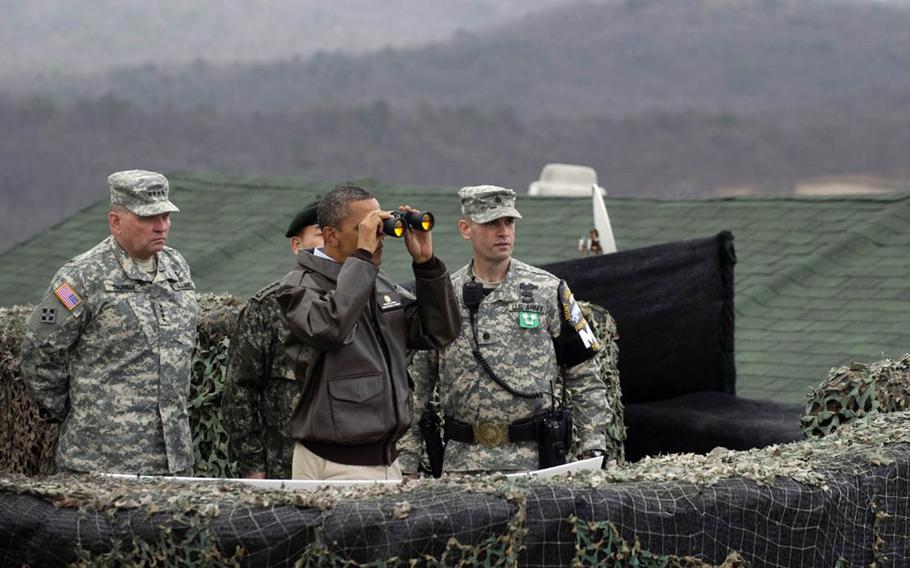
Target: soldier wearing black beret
[(260, 391), (305, 227)]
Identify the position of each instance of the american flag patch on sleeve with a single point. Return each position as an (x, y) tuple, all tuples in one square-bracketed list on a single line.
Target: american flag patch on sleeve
[(67, 296)]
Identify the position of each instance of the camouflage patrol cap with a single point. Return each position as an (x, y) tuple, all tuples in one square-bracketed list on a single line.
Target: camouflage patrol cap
[(142, 192), (485, 203)]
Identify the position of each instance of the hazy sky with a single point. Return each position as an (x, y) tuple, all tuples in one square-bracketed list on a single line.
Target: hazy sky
[(73, 36), (66, 36)]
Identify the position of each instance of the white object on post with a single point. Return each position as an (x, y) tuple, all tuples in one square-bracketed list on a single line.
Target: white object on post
[(602, 221), (563, 180)]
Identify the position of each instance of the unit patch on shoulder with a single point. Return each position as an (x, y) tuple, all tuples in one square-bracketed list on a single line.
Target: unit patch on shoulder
[(67, 296), (570, 309), (48, 315)]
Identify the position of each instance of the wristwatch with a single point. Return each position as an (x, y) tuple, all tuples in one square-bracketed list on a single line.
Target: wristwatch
[(594, 453)]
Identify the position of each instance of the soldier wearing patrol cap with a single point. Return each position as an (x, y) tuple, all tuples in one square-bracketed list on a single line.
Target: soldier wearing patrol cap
[(260, 390), (523, 363), (108, 350)]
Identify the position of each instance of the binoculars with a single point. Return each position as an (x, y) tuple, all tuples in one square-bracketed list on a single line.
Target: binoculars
[(401, 221)]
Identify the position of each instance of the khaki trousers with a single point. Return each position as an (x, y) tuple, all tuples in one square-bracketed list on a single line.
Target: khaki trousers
[(307, 465)]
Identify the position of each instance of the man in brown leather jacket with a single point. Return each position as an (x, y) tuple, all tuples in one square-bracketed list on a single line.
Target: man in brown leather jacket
[(350, 329)]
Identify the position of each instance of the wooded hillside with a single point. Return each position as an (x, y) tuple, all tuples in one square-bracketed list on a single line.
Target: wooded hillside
[(666, 98), (604, 58)]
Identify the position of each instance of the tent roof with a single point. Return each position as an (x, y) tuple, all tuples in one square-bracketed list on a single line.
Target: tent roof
[(819, 281)]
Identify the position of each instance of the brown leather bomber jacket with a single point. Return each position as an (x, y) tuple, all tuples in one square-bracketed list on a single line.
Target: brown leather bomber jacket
[(350, 329)]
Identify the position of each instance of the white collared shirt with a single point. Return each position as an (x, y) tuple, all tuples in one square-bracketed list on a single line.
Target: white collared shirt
[(321, 254)]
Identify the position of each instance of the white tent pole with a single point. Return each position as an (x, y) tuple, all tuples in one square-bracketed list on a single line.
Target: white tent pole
[(602, 221)]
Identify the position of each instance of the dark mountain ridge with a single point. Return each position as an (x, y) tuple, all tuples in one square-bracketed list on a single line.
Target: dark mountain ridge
[(596, 58), (665, 98)]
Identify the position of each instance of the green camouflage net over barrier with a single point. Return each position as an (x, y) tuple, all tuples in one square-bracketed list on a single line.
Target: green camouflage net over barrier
[(600, 544), (839, 501), (29, 442), (855, 391), (605, 329), (186, 516), (210, 441), (834, 501)]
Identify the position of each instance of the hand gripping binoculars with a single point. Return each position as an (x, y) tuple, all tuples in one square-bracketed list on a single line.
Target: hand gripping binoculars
[(402, 221)]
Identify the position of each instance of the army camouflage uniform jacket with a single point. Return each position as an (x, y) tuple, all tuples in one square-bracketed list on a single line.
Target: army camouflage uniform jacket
[(516, 325), (108, 352), (260, 391), (351, 329)]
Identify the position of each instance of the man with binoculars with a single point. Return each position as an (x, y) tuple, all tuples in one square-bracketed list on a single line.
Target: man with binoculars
[(350, 327)]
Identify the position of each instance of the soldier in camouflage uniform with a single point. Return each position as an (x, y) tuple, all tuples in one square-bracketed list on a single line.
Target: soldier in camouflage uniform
[(108, 351), (260, 390), (524, 322)]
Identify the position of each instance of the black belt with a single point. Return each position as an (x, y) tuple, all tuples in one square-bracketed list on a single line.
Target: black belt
[(491, 434)]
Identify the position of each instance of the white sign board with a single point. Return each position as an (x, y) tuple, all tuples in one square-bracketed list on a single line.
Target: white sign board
[(591, 464)]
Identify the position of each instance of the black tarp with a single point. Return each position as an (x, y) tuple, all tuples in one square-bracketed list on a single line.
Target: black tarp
[(673, 306)]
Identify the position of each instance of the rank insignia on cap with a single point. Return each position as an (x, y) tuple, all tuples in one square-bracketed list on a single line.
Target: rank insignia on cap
[(67, 296)]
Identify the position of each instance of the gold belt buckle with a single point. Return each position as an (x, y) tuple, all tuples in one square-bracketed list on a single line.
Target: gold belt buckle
[(491, 434)]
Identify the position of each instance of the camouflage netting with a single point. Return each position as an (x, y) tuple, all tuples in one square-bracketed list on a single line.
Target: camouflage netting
[(210, 441), (842, 500), (603, 325), (28, 442), (855, 391)]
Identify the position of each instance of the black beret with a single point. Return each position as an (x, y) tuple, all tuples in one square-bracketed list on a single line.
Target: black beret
[(305, 218)]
